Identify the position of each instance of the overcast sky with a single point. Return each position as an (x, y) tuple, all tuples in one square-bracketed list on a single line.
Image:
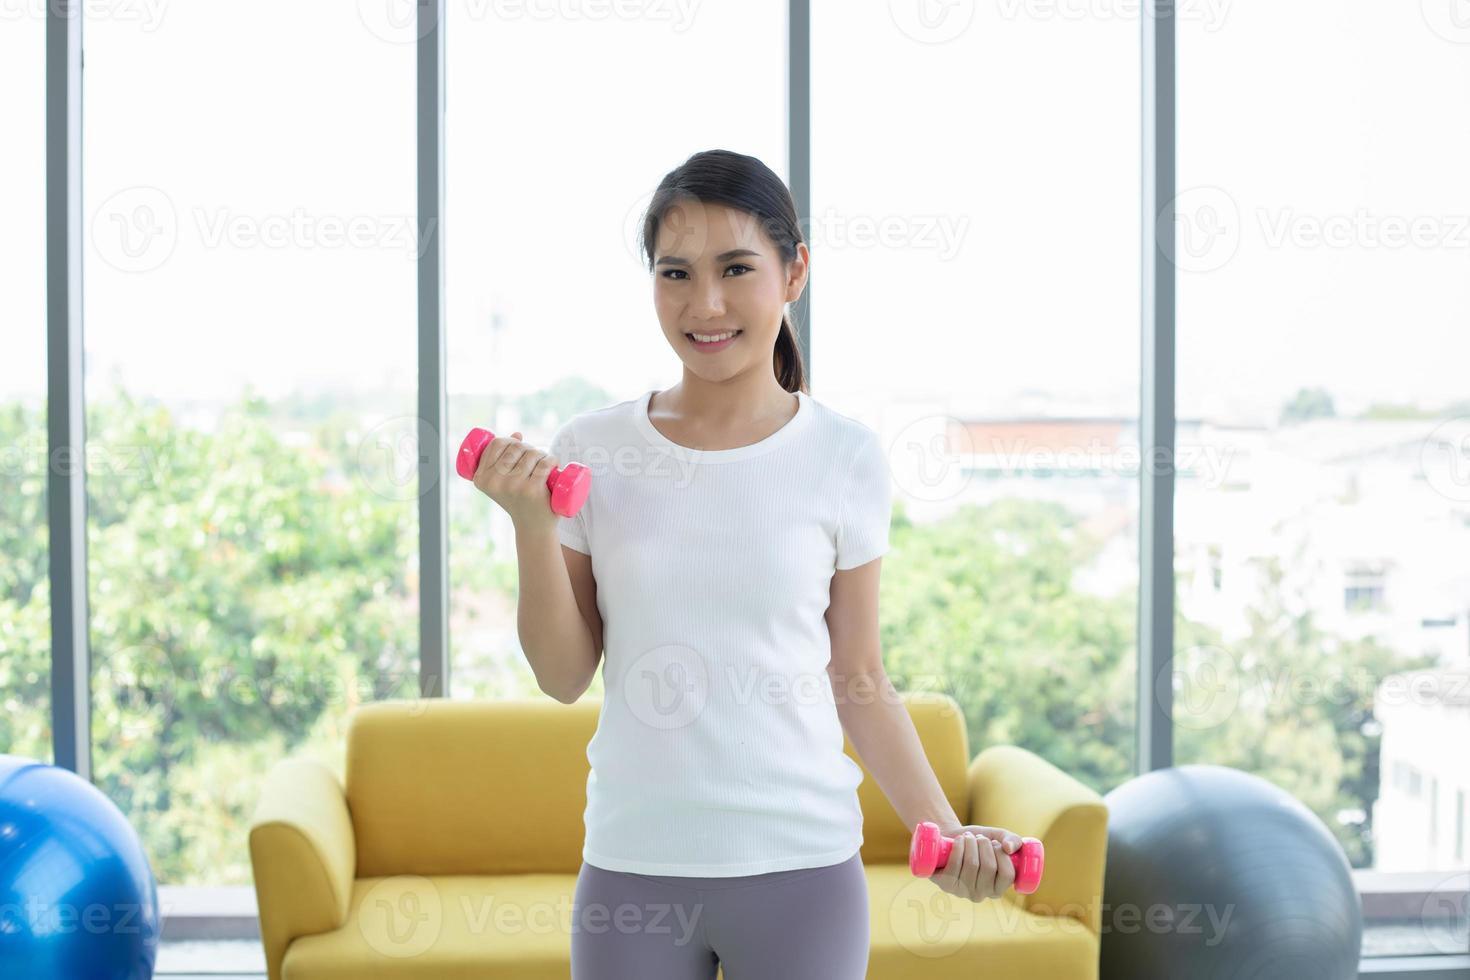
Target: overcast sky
[(249, 192)]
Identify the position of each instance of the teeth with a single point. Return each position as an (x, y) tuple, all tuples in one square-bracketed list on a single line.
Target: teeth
[(717, 337)]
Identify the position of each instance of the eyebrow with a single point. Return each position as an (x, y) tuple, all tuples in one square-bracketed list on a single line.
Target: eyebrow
[(733, 253)]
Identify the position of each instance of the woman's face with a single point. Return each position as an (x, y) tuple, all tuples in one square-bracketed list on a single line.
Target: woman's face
[(715, 273)]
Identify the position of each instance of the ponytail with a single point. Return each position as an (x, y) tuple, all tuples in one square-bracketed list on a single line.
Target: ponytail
[(790, 371)]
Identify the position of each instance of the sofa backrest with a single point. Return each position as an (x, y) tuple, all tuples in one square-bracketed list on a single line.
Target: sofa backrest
[(439, 786)]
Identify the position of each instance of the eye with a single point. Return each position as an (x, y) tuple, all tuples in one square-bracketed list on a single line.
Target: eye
[(667, 273)]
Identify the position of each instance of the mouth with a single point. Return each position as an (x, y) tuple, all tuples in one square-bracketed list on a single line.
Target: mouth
[(716, 345)]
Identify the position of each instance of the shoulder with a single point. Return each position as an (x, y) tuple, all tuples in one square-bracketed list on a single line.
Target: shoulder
[(850, 438), (595, 425)]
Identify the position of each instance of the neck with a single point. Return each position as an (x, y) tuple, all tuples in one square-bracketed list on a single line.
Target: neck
[(747, 397)]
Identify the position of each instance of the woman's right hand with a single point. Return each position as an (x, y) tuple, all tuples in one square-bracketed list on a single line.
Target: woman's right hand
[(513, 474)]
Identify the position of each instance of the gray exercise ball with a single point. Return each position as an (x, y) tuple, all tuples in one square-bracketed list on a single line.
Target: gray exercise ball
[(1216, 874)]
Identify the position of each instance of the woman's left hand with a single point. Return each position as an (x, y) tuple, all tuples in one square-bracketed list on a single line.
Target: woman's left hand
[(979, 866)]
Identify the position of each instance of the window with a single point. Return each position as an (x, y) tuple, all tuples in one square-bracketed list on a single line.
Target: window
[(1433, 812), (549, 307), (1321, 303), (975, 302), (1364, 591), (1459, 825), (250, 295), (25, 593)]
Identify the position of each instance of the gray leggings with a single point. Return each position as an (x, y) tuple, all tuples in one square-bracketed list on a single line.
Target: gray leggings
[(805, 924)]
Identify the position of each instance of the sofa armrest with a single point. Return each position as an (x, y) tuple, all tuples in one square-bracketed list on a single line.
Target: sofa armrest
[(1022, 792), (303, 855)]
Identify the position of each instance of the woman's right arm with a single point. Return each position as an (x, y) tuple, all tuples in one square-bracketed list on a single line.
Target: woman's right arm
[(556, 615)]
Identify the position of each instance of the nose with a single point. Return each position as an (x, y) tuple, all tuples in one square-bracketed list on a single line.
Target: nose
[(709, 300)]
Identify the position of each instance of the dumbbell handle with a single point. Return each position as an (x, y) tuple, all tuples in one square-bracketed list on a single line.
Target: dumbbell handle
[(568, 485), (929, 851)]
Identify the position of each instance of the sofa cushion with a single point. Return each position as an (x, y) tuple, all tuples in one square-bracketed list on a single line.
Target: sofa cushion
[(440, 787), (456, 927), (941, 727)]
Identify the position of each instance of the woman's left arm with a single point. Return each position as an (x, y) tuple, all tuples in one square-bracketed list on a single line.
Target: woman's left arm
[(872, 714), (878, 723)]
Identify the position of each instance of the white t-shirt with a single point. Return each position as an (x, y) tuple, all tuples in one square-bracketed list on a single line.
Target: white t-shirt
[(718, 749)]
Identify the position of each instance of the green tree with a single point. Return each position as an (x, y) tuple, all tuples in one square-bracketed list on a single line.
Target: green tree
[(1309, 403), (249, 587)]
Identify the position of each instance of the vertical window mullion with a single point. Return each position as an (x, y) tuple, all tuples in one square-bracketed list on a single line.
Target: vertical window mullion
[(433, 493), (1156, 414), (66, 487), (799, 150)]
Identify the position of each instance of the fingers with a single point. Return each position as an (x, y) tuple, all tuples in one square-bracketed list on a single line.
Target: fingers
[(984, 886), (966, 860), (503, 455), (1005, 871), (949, 875), (511, 459)]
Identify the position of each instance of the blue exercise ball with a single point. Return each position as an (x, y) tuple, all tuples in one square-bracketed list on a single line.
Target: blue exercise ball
[(77, 897), (1216, 874)]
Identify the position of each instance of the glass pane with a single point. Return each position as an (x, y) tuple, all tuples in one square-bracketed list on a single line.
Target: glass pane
[(250, 301), (1323, 539), (25, 592), (550, 309), (975, 301)]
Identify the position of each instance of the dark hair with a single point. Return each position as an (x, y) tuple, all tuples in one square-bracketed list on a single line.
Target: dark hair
[(744, 183)]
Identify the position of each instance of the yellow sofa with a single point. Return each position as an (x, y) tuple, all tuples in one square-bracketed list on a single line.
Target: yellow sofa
[(451, 849)]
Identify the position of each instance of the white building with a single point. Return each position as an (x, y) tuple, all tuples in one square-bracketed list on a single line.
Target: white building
[(1419, 819)]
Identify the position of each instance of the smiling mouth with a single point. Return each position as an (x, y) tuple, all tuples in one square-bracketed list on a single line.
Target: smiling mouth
[(726, 340)]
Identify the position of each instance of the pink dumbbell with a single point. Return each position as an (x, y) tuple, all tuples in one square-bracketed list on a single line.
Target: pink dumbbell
[(929, 851), (568, 485)]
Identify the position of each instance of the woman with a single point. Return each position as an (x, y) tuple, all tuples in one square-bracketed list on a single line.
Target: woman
[(731, 546)]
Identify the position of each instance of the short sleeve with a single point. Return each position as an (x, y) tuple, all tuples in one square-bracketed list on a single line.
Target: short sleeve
[(865, 510), (571, 530)]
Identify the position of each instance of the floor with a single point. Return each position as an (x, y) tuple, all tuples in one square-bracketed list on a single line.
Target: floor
[(244, 959)]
